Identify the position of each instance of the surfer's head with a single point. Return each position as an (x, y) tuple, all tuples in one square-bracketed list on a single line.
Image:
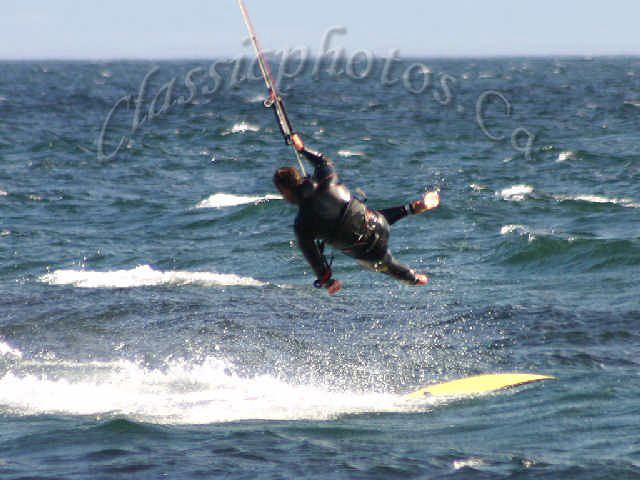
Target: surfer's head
[(288, 180)]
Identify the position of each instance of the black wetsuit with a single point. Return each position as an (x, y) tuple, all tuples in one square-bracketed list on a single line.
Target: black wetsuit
[(329, 213)]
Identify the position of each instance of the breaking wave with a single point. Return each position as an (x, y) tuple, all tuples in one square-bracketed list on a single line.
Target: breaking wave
[(516, 193), (522, 230), (519, 193), (624, 202), (180, 392)]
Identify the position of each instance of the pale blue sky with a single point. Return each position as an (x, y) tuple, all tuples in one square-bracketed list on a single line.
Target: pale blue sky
[(95, 29)]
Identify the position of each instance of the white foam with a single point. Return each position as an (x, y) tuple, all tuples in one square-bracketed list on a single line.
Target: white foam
[(624, 202), (516, 193), (3, 193), (259, 98), (350, 153), (566, 155), (7, 350), (477, 187), (222, 200), (507, 229), (468, 463), (182, 393), (143, 276), (242, 127)]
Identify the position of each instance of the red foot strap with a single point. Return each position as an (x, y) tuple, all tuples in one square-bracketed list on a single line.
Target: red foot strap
[(321, 282)]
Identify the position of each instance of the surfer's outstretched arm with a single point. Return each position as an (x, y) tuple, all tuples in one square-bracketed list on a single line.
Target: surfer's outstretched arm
[(324, 169)]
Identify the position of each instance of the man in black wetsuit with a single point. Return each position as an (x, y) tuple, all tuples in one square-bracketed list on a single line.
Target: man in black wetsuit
[(329, 213)]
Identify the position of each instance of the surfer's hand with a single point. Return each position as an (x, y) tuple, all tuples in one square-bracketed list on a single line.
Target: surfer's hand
[(432, 200), (334, 286), (297, 142)]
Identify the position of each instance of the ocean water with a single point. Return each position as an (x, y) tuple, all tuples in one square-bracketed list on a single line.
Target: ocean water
[(158, 321)]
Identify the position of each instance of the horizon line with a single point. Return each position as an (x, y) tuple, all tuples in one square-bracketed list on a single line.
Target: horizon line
[(577, 56)]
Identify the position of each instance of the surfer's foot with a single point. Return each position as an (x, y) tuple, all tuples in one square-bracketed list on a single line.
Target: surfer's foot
[(334, 286), (421, 279), (429, 201)]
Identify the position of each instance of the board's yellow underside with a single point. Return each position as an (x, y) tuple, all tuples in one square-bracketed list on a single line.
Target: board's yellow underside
[(477, 385)]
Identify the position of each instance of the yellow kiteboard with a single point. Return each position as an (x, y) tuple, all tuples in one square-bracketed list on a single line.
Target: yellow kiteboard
[(477, 385)]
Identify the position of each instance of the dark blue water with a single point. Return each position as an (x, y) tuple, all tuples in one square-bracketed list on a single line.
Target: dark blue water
[(157, 320)]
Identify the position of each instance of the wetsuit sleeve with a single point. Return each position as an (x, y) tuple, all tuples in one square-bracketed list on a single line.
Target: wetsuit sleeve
[(312, 253), (324, 169)]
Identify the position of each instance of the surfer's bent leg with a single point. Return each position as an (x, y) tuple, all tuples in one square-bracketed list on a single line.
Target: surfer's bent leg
[(399, 271), (390, 266), (377, 257)]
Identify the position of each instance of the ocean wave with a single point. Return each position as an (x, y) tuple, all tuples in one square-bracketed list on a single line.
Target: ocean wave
[(144, 276), (222, 200), (533, 234), (560, 249), (7, 350), (3, 193), (515, 193), (182, 392), (522, 230), (241, 127)]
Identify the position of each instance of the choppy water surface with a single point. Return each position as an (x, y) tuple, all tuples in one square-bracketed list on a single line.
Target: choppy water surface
[(156, 318)]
